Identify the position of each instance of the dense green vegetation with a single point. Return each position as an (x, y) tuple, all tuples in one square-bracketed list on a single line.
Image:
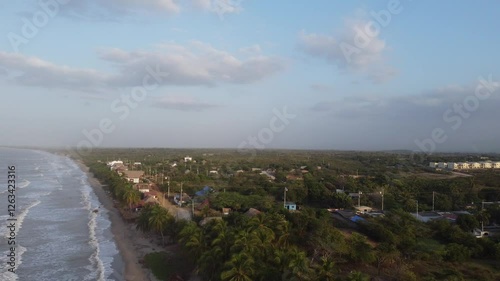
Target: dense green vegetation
[(312, 244)]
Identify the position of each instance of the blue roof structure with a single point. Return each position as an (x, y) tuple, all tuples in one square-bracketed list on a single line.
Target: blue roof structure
[(357, 219), (205, 191)]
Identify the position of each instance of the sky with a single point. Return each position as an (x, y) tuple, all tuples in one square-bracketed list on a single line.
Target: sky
[(251, 74)]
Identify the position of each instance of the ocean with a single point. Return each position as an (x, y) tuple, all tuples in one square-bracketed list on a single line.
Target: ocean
[(57, 234)]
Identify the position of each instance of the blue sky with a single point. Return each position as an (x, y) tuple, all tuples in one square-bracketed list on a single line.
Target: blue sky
[(229, 66)]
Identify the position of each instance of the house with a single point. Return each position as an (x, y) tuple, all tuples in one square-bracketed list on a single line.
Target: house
[(452, 165), (116, 166), (133, 176), (267, 174), (496, 165), (116, 162), (363, 209), (354, 195), (173, 165), (151, 193), (213, 172), (225, 211), (427, 216), (480, 234), (291, 206), (151, 200), (204, 191), (142, 187), (442, 165), (185, 199), (188, 159), (475, 165), (252, 212), (486, 165), (137, 163)]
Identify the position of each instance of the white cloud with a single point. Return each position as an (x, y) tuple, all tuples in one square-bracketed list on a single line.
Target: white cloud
[(220, 7), (32, 71), (117, 10), (195, 64), (355, 49)]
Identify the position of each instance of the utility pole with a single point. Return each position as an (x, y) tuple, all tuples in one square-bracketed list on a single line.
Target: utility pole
[(181, 196), (482, 214), (382, 193), (417, 209), (433, 201), (168, 187), (359, 198), (284, 197)]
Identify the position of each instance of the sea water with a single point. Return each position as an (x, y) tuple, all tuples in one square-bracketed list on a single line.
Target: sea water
[(61, 230)]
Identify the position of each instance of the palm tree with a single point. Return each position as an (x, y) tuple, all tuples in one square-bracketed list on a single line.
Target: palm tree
[(242, 242), (296, 266), (223, 239), (159, 220), (192, 238), (143, 220), (131, 197), (239, 268), (326, 270)]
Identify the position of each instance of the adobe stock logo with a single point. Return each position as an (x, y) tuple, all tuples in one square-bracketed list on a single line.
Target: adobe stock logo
[(48, 9), (277, 124), (455, 116), (367, 33)]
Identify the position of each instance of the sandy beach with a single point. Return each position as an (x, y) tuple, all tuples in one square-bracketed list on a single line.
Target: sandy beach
[(132, 243)]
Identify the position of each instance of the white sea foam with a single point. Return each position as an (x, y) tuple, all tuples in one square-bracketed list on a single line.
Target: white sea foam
[(85, 235), (20, 218), (97, 270), (24, 184), (6, 275)]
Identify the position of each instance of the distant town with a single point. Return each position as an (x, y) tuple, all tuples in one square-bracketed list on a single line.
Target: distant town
[(363, 200)]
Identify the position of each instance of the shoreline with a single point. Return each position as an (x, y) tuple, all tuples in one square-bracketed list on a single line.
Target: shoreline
[(131, 243)]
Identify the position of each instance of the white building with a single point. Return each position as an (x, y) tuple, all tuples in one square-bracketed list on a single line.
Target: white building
[(486, 165), (116, 162), (475, 165), (442, 165), (188, 159), (452, 165), (133, 176)]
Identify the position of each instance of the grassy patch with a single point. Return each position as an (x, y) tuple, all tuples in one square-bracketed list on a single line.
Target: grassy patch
[(158, 263), (429, 245), (165, 265)]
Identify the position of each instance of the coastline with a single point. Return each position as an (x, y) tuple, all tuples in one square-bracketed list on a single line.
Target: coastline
[(131, 243)]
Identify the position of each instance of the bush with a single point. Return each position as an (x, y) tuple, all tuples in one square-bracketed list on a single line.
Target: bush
[(457, 253)]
